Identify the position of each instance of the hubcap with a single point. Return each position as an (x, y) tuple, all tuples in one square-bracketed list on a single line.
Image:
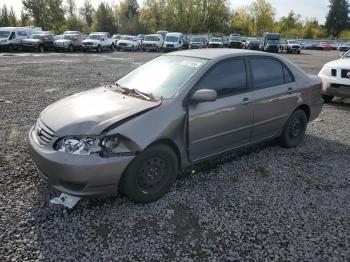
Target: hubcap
[(152, 174), (295, 128)]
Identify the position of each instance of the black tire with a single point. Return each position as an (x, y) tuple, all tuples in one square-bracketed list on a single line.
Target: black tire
[(10, 48), (150, 175), (98, 50), (41, 49), (294, 130), (71, 48), (327, 99)]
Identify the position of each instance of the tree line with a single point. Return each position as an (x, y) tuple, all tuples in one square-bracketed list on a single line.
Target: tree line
[(187, 16)]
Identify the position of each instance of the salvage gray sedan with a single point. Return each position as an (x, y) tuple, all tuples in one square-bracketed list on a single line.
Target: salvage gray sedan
[(168, 114)]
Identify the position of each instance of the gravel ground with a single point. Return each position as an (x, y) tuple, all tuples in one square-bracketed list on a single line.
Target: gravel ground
[(262, 203)]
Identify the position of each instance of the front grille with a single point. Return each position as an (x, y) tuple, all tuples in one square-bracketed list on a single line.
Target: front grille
[(334, 72), (345, 73), (168, 45), (295, 46), (215, 45), (123, 44), (43, 133), (88, 43)]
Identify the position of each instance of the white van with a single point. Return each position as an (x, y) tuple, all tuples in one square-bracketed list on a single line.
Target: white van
[(11, 37), (173, 41)]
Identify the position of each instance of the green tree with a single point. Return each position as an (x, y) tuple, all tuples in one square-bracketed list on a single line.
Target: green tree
[(263, 17), (241, 21), (24, 19), (48, 14), (104, 21), (86, 11), (290, 26), (152, 15), (70, 6), (127, 13), (337, 18), (75, 23), (4, 16), (12, 17)]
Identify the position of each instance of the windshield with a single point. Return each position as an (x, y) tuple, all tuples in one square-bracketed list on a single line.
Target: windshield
[(70, 37), (293, 42), (162, 77), (197, 40), (95, 37), (273, 42), (151, 38), (235, 38), (37, 37), (171, 39), (216, 40), (347, 55), (4, 34), (127, 38)]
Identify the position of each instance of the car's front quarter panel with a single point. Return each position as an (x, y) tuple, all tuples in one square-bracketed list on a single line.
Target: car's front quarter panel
[(165, 123)]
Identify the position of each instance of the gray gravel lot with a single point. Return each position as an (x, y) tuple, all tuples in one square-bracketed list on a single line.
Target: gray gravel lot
[(262, 203)]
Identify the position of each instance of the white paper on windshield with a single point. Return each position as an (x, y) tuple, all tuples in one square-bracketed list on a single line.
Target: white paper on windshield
[(190, 63)]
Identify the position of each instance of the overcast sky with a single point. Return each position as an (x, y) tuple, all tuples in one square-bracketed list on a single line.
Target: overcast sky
[(307, 8)]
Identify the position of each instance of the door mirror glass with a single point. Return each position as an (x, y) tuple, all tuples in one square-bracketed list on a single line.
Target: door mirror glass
[(204, 95)]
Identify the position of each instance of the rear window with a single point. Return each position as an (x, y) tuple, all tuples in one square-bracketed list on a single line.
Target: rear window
[(267, 72)]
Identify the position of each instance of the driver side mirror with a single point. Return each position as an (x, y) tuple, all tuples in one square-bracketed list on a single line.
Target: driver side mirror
[(204, 95)]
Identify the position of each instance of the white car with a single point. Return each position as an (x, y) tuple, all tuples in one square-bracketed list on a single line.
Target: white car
[(216, 42), (152, 43), (98, 42), (128, 42), (335, 76), (11, 37), (173, 41)]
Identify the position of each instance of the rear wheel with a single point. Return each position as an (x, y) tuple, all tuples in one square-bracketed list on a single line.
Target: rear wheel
[(327, 99), (71, 48), (150, 175), (11, 48), (294, 130)]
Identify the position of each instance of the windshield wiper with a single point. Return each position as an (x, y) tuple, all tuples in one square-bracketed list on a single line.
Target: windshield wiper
[(134, 92)]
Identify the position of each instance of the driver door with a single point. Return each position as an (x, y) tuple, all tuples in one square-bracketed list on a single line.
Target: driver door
[(224, 124)]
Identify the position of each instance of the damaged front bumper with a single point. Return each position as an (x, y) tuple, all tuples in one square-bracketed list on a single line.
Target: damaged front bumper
[(89, 175)]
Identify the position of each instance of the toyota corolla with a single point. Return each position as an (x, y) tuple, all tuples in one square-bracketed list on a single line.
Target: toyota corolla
[(135, 135)]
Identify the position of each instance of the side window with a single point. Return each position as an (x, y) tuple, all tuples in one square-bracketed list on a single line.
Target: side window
[(226, 78), (288, 77), (12, 36), (266, 72)]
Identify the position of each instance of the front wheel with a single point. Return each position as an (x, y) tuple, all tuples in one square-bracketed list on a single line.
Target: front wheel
[(150, 175), (327, 99), (294, 130), (71, 48), (99, 49), (41, 49)]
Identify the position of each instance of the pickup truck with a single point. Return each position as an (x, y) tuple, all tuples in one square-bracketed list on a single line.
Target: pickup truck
[(98, 42), (40, 42), (71, 41), (291, 46)]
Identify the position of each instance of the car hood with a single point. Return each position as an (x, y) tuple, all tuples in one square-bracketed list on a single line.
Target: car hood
[(90, 40), (63, 41), (125, 41), (216, 43), (340, 63), (150, 42), (34, 41), (91, 112)]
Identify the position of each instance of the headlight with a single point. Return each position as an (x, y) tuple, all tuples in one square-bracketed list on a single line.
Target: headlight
[(326, 71)]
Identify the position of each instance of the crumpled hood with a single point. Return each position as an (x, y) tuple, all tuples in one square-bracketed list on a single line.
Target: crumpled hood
[(63, 41), (91, 112), (31, 41)]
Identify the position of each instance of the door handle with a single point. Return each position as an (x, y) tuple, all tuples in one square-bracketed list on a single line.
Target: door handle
[(246, 101), (290, 90)]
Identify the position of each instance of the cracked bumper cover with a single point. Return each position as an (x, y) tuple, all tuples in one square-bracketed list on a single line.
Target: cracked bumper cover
[(78, 175)]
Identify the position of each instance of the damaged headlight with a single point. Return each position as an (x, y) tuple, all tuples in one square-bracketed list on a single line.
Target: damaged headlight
[(104, 146)]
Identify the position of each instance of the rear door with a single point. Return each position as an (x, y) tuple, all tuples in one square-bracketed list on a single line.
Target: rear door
[(226, 123), (275, 96)]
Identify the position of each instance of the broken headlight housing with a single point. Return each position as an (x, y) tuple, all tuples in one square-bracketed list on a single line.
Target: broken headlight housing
[(103, 146)]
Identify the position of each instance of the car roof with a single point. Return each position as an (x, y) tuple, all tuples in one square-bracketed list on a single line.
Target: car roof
[(216, 53)]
